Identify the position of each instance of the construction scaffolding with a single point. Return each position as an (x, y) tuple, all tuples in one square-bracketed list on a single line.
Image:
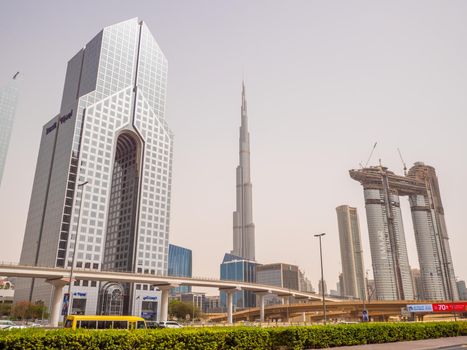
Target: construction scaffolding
[(382, 189)]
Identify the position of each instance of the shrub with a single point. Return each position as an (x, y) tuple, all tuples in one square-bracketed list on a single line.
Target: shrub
[(311, 337)]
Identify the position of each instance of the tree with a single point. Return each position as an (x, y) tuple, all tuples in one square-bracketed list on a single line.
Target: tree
[(39, 310), (181, 309), (20, 310), (25, 310)]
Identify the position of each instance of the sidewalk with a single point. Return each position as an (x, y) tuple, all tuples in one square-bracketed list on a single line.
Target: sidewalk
[(410, 345)]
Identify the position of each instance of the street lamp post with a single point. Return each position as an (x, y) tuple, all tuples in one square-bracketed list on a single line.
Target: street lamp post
[(322, 277), (452, 303), (69, 309)]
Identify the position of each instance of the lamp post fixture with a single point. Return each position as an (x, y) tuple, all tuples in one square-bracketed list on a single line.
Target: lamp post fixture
[(322, 277), (69, 309)]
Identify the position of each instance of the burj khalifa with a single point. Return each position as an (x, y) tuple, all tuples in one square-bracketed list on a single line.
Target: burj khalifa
[(243, 226)]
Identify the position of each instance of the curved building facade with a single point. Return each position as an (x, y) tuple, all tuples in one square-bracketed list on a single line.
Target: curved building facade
[(382, 189), (434, 254), (111, 132), (389, 256)]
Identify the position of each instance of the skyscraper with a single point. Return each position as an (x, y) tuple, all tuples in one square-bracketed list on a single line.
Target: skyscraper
[(382, 189), (304, 282), (181, 265), (8, 101), (391, 268), (431, 236), (462, 290), (279, 275), (320, 288), (235, 268), (239, 265), (243, 226), (340, 287), (111, 132), (353, 270)]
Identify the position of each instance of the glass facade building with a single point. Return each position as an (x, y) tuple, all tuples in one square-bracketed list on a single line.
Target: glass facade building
[(353, 271), (243, 226), (382, 190), (462, 290), (180, 264), (8, 101), (431, 235), (235, 268), (111, 132), (279, 275)]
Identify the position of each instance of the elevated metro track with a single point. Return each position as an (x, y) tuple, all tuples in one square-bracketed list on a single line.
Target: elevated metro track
[(345, 308), (49, 273), (59, 277)]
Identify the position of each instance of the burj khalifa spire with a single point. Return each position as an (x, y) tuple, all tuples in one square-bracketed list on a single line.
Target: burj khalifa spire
[(243, 226)]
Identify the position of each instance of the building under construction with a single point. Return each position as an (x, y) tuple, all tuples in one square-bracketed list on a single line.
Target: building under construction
[(382, 189)]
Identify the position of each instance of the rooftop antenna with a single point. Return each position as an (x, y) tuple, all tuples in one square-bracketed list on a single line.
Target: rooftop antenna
[(371, 154), (402, 159)]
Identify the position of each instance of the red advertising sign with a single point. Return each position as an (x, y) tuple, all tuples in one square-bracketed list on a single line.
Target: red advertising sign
[(450, 307)]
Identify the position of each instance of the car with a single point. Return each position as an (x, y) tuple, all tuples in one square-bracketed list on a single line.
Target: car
[(152, 325), (4, 324), (169, 324), (15, 326), (35, 325)]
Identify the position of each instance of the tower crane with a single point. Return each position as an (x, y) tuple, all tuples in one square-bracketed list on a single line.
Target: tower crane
[(369, 158), (403, 163)]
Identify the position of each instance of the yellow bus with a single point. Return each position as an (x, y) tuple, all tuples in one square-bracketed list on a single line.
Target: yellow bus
[(104, 322)]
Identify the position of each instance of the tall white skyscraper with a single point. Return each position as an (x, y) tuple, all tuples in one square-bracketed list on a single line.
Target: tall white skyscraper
[(8, 101), (388, 247), (382, 189), (243, 226), (353, 271), (111, 132), (431, 235)]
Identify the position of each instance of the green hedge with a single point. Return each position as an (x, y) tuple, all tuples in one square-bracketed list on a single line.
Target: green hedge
[(313, 337)]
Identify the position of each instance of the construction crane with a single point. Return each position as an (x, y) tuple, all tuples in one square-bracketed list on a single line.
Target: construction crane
[(369, 158), (403, 163)]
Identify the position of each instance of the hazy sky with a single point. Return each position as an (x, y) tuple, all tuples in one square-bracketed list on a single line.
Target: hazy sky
[(325, 80)]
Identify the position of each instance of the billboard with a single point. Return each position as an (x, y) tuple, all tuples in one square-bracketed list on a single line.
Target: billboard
[(420, 308), (365, 316), (66, 301), (450, 307)]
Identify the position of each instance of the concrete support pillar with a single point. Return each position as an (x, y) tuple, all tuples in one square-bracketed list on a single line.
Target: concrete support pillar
[(261, 307), (164, 303), (304, 317), (55, 307), (229, 307), (286, 302)]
